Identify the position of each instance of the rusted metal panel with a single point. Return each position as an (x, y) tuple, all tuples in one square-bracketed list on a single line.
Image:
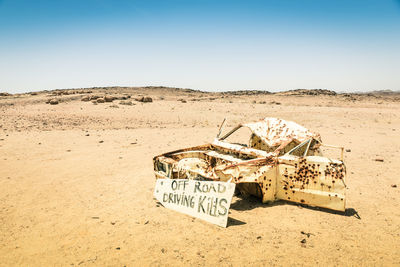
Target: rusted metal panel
[(313, 180), (282, 161)]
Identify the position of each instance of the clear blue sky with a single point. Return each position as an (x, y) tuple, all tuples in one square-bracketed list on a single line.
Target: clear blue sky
[(344, 45)]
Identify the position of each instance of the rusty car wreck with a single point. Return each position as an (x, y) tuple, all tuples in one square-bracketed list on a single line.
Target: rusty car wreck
[(282, 161)]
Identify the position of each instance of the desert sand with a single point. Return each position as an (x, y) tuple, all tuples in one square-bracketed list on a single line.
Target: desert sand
[(76, 181)]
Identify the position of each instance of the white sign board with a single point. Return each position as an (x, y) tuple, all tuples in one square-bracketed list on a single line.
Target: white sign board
[(209, 201)]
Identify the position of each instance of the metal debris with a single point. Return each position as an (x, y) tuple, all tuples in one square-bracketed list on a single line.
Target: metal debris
[(283, 160)]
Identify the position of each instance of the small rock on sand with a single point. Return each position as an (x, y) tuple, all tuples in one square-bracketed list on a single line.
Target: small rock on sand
[(305, 233), (94, 97), (379, 159), (145, 99), (128, 103), (100, 100), (108, 98), (276, 103), (53, 101), (85, 98)]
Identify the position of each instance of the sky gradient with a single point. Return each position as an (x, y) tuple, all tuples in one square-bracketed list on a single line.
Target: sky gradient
[(343, 45)]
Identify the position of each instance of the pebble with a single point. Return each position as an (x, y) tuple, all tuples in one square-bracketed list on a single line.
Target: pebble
[(53, 101), (145, 99), (85, 98), (304, 233), (108, 98), (128, 103)]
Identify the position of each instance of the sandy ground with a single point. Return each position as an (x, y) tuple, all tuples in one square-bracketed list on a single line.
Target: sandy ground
[(76, 184)]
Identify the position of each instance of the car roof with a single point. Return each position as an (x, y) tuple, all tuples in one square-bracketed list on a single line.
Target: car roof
[(275, 132)]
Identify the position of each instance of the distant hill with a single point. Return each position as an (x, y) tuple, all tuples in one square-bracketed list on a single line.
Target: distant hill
[(385, 92), (177, 91), (308, 92)]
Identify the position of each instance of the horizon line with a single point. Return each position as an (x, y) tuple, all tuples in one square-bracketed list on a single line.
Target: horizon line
[(206, 91)]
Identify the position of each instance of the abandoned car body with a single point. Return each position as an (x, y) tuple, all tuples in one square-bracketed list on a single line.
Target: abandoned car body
[(283, 160)]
